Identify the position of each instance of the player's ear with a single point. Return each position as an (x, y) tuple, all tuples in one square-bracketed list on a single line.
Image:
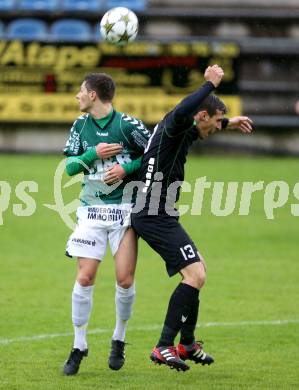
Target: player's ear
[(93, 95), (202, 116)]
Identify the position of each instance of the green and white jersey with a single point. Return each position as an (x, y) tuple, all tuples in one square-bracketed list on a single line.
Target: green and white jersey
[(86, 133)]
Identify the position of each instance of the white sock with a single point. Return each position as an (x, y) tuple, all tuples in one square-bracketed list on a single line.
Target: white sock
[(124, 299), (81, 308), (80, 337)]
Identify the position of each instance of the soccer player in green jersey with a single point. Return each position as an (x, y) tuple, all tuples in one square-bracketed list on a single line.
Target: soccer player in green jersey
[(107, 146)]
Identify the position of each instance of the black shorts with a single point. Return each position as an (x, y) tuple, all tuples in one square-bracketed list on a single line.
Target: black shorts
[(166, 236)]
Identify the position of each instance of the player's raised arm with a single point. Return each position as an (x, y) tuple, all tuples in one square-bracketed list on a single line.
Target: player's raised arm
[(242, 123), (185, 110)]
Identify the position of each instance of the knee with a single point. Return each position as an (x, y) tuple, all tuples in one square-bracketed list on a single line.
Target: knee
[(85, 280), (201, 279), (125, 281), (197, 280), (197, 277)]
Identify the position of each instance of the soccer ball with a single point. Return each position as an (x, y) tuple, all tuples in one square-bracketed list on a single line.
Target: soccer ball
[(119, 26)]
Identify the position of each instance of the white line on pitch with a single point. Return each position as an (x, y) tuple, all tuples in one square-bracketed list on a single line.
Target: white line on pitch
[(149, 328)]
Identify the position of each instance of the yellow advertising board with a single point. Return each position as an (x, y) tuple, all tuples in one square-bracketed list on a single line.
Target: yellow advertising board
[(39, 81), (63, 108)]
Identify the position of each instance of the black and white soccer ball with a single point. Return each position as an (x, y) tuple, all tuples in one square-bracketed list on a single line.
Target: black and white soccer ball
[(119, 26)]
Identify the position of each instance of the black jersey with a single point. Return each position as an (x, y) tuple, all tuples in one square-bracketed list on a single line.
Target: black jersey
[(163, 163), (162, 170)]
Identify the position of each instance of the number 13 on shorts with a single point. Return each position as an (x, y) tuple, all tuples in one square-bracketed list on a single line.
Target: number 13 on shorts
[(187, 252)]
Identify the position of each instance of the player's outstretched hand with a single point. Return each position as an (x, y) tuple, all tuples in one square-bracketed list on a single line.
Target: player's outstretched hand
[(114, 174), (214, 74), (105, 150), (242, 123)]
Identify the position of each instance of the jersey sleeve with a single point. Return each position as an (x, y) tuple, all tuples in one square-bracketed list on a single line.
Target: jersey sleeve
[(224, 123), (132, 166), (181, 117), (136, 132), (77, 164), (73, 146)]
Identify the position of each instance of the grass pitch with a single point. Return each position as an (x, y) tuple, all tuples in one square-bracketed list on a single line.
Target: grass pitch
[(249, 312)]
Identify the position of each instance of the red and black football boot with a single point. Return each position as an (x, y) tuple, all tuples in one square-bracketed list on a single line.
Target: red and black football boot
[(196, 353), (168, 356)]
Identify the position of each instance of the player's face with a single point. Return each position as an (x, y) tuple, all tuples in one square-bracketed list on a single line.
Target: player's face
[(84, 98), (206, 124)]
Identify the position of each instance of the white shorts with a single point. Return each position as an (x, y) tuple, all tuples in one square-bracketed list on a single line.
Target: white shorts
[(96, 226)]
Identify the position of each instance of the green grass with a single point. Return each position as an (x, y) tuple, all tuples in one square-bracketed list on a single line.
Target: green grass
[(253, 275)]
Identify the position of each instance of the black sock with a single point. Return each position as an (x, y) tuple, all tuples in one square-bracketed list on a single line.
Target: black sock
[(188, 327), (180, 307)]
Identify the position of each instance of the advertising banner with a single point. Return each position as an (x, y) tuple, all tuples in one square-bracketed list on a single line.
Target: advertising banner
[(39, 81)]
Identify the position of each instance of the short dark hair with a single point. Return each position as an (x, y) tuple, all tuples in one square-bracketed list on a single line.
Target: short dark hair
[(102, 84), (212, 103)]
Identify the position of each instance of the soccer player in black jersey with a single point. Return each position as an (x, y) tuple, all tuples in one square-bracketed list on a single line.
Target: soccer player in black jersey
[(155, 219)]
